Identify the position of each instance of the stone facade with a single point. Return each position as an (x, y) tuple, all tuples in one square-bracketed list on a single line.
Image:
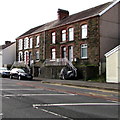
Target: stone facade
[(81, 51)]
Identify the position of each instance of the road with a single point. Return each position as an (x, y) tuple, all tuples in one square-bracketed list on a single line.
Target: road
[(33, 99)]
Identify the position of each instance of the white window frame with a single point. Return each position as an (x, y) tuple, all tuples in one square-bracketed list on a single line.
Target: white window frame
[(26, 43), (71, 34), (26, 57), (53, 37), (31, 42), (53, 53), (63, 35), (37, 57), (37, 41), (84, 31), (20, 56), (20, 44), (63, 52), (70, 53), (84, 47)]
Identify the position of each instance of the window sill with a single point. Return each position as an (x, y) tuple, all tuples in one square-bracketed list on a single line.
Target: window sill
[(37, 46), (53, 44), (84, 38), (84, 58), (62, 42)]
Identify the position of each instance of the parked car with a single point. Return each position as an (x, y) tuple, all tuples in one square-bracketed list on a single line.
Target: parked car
[(20, 74), (5, 73), (2, 69)]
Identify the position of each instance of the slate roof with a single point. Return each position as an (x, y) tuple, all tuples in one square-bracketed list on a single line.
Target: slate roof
[(70, 19), (6, 45)]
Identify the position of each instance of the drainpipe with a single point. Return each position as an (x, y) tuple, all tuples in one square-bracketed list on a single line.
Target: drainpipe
[(44, 48)]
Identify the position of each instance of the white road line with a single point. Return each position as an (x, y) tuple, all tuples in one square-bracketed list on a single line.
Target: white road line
[(18, 89), (56, 114), (74, 104), (16, 95)]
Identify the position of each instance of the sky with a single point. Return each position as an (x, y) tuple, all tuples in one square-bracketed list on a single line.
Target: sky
[(18, 16)]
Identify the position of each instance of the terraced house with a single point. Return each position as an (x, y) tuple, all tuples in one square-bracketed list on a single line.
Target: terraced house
[(83, 38)]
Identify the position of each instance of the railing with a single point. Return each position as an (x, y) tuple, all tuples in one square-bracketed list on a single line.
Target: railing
[(59, 62)]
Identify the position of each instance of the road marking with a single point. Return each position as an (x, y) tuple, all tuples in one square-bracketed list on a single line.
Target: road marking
[(19, 89), (99, 94), (56, 114), (17, 95), (81, 87), (74, 104)]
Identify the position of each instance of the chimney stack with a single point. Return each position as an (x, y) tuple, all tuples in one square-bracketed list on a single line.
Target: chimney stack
[(7, 42), (62, 14)]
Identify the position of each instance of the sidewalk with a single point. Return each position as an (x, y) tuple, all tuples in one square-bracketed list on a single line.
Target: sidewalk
[(79, 83)]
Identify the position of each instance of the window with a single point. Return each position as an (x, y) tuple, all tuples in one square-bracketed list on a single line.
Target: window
[(53, 54), (84, 51), (84, 31), (31, 42), (71, 34), (37, 41), (37, 55), (53, 38), (20, 43), (26, 57), (20, 56), (63, 52), (63, 35), (26, 43), (70, 53)]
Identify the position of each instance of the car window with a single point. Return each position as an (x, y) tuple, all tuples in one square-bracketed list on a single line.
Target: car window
[(3, 68), (21, 71)]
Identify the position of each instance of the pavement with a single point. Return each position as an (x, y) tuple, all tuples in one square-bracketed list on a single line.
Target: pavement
[(81, 83)]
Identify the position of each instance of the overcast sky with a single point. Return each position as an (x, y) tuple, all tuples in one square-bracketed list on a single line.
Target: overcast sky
[(18, 16)]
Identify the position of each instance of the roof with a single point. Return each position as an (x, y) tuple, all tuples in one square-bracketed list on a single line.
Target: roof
[(112, 51), (95, 11), (6, 45)]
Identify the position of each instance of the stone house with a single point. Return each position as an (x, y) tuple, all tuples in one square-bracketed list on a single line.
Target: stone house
[(83, 38)]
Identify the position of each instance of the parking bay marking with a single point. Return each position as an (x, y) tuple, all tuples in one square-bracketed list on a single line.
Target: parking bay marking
[(74, 104), (19, 89), (20, 95), (56, 114)]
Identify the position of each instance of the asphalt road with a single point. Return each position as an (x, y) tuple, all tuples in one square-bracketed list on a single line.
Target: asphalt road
[(33, 99)]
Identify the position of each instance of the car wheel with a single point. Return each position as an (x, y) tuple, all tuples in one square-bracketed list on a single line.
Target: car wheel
[(19, 77)]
